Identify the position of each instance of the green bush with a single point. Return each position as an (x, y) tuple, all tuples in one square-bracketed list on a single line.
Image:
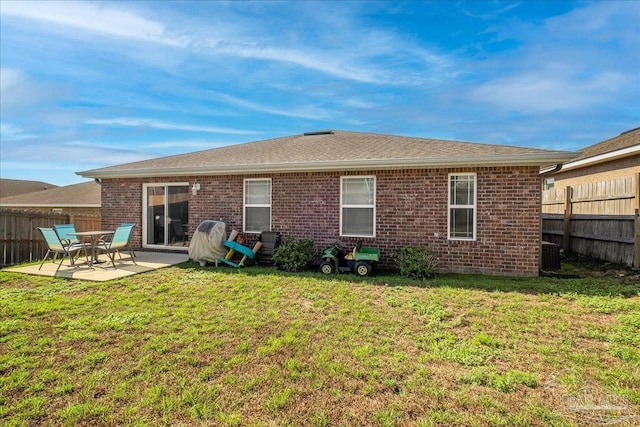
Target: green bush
[(415, 262), (293, 255)]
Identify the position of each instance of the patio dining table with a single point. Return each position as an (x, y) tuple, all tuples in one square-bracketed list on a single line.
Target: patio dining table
[(93, 235)]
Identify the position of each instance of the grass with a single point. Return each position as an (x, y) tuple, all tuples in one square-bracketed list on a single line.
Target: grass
[(191, 345)]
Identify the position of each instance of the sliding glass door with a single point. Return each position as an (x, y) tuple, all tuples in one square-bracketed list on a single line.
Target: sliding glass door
[(166, 215)]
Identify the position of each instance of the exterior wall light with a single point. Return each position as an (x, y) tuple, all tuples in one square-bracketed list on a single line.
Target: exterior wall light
[(195, 188)]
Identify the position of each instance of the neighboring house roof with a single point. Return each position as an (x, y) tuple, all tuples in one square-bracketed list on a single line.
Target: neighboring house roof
[(331, 151), (13, 187), (624, 145), (86, 194)]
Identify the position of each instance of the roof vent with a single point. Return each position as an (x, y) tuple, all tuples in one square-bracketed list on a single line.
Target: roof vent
[(320, 132)]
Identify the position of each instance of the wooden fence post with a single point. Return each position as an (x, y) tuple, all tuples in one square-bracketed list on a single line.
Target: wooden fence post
[(566, 225), (636, 244)]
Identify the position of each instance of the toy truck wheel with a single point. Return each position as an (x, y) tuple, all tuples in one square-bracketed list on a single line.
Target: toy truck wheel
[(362, 268), (327, 267)]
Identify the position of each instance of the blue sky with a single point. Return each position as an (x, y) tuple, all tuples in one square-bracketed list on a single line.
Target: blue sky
[(92, 84)]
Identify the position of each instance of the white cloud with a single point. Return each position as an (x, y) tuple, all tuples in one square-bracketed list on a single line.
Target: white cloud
[(536, 92), (76, 153), (17, 90), (336, 65), (9, 77), (570, 62), (9, 132), (157, 124), (359, 60), (93, 17), (489, 10), (359, 103), (595, 21), (304, 112), (181, 144), (376, 56), (145, 147)]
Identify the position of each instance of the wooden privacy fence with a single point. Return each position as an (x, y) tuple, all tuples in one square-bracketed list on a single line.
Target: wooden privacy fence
[(20, 241), (598, 219)]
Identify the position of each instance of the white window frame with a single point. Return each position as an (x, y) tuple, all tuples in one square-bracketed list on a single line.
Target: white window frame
[(372, 206), (145, 187), (246, 205), (474, 206), (549, 183)]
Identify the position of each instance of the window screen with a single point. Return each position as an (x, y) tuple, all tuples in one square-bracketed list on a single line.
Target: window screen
[(257, 205), (357, 204), (462, 206)]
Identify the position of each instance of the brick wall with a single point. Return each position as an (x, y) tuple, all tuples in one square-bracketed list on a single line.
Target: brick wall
[(122, 202), (411, 209)]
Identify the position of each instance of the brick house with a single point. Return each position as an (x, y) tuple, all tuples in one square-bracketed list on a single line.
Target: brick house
[(477, 206)]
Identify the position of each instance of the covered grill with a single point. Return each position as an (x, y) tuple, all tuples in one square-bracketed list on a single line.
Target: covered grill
[(207, 243)]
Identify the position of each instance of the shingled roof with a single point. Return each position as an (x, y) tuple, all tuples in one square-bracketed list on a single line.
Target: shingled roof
[(624, 140), (13, 187), (624, 145), (86, 194), (333, 150)]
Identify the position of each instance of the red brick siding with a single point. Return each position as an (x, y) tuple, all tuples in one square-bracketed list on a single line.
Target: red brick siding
[(219, 198), (122, 202), (411, 209)]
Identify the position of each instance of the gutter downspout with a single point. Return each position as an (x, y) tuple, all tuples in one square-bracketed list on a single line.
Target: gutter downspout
[(554, 170)]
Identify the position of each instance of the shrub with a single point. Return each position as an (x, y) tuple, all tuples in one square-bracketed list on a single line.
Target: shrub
[(293, 255), (415, 262)]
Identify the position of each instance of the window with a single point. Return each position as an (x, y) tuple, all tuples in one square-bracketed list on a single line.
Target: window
[(166, 215), (462, 206), (549, 183), (257, 205), (357, 206)]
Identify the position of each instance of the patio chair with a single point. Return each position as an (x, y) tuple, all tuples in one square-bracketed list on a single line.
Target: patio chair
[(119, 241), (128, 224), (67, 233), (108, 238), (56, 246)]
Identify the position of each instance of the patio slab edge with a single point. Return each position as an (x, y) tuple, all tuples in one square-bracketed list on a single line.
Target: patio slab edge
[(146, 261)]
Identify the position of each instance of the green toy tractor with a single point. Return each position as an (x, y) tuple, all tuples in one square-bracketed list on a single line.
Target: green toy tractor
[(359, 260)]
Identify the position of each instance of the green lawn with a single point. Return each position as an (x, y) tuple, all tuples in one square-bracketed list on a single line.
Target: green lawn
[(188, 345)]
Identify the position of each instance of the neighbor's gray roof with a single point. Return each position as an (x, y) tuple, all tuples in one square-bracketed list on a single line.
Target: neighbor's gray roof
[(333, 150), (13, 187), (86, 194), (624, 140), (625, 145)]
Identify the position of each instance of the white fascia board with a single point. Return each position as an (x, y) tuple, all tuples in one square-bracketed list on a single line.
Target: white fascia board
[(475, 161), (613, 155)]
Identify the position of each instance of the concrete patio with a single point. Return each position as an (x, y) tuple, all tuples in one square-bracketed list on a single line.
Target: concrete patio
[(146, 261)]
